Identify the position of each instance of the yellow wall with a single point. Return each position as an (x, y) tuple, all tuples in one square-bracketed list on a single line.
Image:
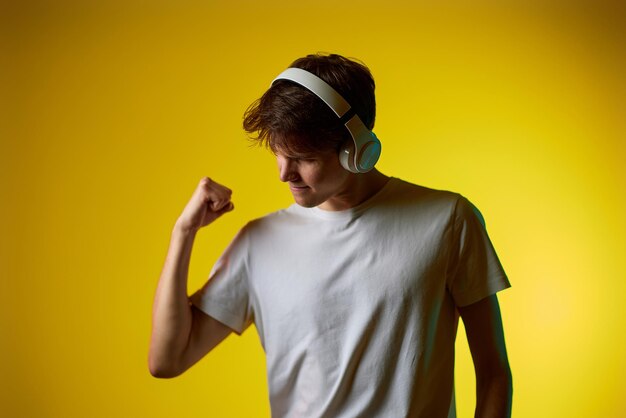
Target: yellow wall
[(110, 113)]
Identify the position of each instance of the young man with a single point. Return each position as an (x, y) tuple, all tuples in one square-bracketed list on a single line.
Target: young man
[(356, 289)]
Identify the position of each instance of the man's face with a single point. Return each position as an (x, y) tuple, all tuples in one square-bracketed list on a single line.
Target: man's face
[(314, 179)]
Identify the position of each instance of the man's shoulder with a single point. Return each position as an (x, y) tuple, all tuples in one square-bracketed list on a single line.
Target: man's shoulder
[(272, 220), (449, 202), (416, 193)]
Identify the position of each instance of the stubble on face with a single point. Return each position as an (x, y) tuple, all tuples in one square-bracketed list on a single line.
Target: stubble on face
[(313, 179)]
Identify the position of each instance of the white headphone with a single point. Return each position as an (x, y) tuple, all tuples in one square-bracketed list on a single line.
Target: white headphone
[(366, 145)]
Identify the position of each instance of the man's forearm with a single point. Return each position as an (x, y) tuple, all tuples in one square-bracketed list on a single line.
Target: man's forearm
[(494, 395), (171, 314)]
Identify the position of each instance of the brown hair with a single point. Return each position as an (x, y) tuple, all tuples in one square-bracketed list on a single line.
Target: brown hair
[(291, 118)]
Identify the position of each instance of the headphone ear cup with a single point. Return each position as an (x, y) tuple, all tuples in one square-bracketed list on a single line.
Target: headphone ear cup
[(367, 157), (369, 153), (346, 156)]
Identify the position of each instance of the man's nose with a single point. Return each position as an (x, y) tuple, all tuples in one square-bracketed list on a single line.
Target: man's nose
[(286, 169)]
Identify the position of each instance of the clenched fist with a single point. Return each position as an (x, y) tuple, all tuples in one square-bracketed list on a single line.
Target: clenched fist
[(210, 200)]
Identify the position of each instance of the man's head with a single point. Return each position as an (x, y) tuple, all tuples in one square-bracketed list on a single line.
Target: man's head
[(306, 135), (290, 118)]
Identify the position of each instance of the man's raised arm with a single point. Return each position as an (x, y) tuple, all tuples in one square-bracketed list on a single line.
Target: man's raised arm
[(181, 333)]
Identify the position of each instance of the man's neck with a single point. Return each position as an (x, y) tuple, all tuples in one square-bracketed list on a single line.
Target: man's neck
[(358, 190)]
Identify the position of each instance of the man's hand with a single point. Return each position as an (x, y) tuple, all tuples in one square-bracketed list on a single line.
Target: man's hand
[(210, 200)]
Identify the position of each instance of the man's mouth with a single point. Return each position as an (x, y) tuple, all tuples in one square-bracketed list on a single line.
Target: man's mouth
[(297, 188)]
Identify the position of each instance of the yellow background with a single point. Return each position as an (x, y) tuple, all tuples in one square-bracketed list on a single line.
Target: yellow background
[(111, 112)]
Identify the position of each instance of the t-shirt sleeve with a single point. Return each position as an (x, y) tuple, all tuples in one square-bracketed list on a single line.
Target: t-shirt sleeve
[(226, 294), (475, 271)]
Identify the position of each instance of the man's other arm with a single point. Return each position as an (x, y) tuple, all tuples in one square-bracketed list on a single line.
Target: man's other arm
[(181, 333), (485, 334)]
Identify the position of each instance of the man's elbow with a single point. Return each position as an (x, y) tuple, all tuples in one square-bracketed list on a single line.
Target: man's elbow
[(163, 373), (498, 374), (497, 380), (494, 393), (163, 370)]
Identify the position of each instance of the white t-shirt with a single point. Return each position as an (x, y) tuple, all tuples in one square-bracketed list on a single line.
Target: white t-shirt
[(356, 309)]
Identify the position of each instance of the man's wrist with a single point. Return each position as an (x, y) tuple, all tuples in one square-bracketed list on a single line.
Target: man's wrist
[(182, 230)]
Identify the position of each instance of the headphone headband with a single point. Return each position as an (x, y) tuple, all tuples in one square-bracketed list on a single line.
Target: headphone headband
[(366, 144), (319, 87)]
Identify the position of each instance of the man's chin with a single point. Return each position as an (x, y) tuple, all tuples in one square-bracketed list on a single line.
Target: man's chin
[(306, 203)]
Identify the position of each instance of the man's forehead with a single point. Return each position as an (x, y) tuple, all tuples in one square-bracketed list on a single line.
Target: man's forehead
[(296, 147), (295, 153)]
